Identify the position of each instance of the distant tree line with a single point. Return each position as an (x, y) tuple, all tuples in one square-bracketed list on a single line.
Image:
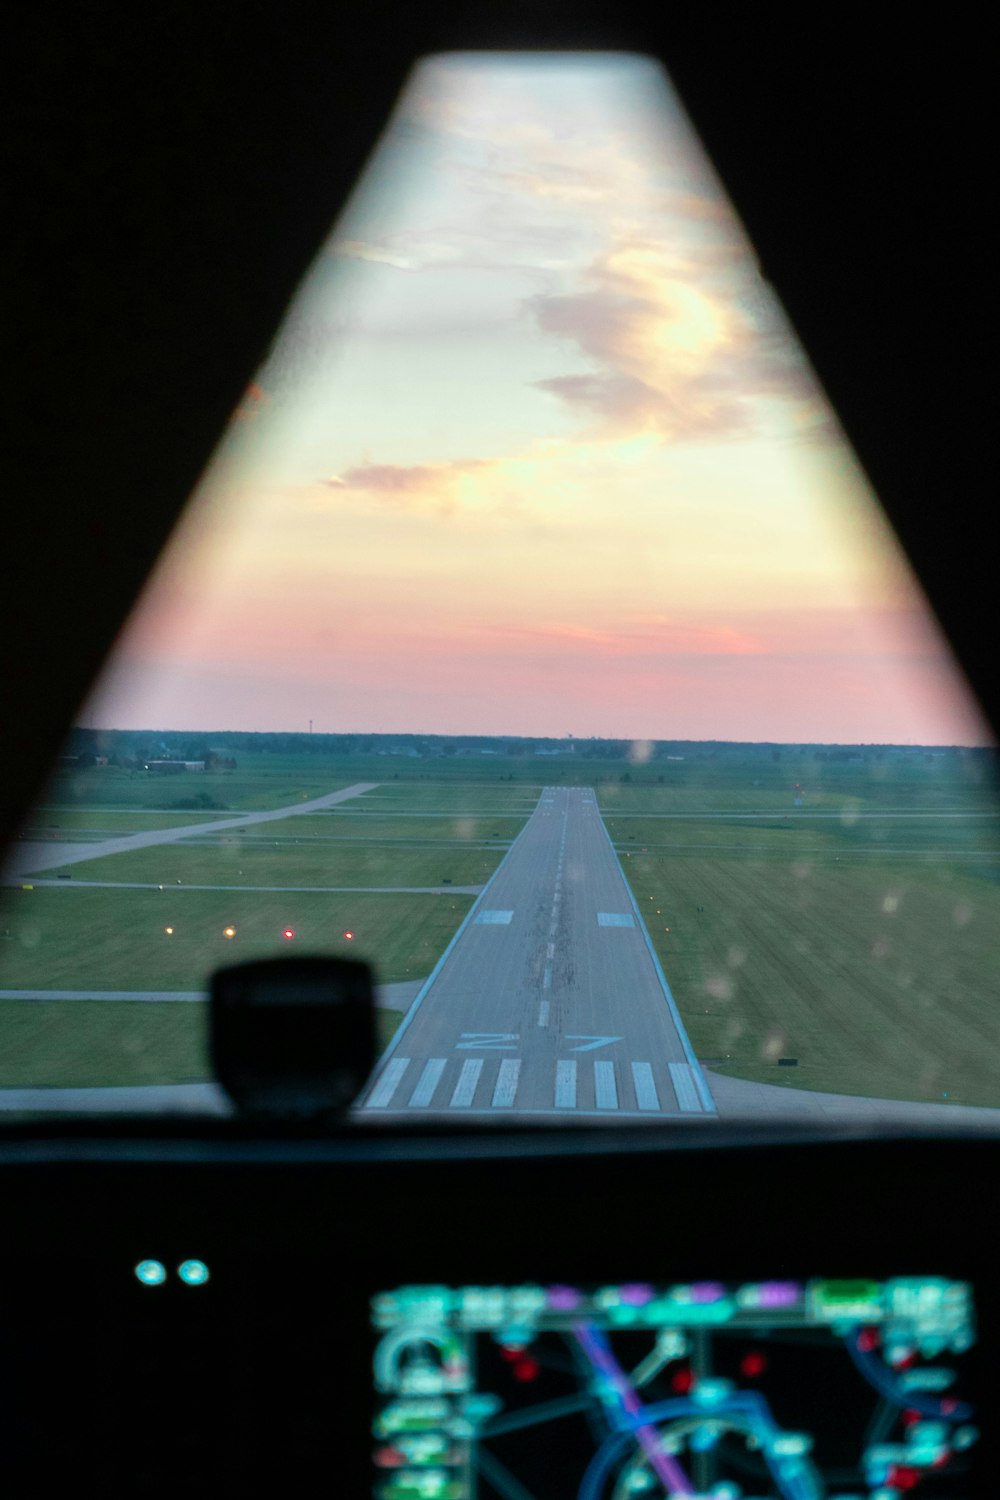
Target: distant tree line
[(220, 749)]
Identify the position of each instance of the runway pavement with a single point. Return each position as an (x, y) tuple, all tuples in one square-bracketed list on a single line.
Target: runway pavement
[(550, 999)]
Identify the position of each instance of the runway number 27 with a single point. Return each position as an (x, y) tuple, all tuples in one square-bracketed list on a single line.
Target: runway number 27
[(487, 1041)]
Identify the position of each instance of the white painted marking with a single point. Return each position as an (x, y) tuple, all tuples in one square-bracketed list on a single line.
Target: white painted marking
[(486, 1041), (552, 929), (684, 1087), (550, 951), (547, 977), (592, 1042), (615, 919), (427, 1082), (383, 1091), (465, 1088), (605, 1088), (506, 1089), (494, 918), (543, 1013), (645, 1089), (565, 1085)]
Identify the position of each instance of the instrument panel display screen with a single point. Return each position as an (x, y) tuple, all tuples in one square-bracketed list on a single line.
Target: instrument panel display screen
[(820, 1389)]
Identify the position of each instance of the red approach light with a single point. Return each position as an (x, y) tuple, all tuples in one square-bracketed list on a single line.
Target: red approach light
[(682, 1382), (349, 935), (289, 932), (753, 1364)]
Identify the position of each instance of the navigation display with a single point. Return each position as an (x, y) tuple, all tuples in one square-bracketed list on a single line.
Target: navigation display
[(807, 1390)]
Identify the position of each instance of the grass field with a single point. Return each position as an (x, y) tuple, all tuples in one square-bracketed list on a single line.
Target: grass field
[(109, 822), (117, 939), (293, 864), (258, 783), (90, 1044), (842, 914), (873, 961)]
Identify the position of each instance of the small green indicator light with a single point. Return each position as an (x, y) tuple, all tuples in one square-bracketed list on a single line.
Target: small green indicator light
[(151, 1272), (848, 1292), (193, 1272)]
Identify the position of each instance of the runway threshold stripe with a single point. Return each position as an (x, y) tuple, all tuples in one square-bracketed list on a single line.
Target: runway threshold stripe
[(684, 1087), (645, 1089), (427, 1082), (383, 1091), (506, 1086), (605, 1088), (565, 1085), (465, 1088)]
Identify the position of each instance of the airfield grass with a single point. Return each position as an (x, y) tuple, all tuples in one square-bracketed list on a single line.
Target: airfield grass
[(290, 864), (850, 836), (879, 978), (877, 785), (863, 945), (50, 822), (94, 939), (260, 782), (98, 1044), (457, 798), (371, 828)]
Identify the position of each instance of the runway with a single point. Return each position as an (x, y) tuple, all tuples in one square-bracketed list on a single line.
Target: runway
[(550, 999)]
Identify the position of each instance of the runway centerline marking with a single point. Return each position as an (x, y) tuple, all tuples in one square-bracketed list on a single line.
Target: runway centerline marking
[(543, 1013)]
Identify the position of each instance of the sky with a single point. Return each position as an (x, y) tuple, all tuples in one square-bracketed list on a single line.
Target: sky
[(536, 452)]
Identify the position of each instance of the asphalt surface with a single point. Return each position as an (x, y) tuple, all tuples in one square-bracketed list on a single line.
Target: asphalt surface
[(33, 855), (549, 1000)]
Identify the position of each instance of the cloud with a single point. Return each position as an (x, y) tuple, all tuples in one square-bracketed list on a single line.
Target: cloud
[(683, 348), (360, 250), (437, 488)]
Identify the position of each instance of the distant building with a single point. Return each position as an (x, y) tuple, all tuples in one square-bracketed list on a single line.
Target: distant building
[(172, 767)]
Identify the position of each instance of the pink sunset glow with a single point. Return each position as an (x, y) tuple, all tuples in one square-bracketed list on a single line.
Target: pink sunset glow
[(537, 454)]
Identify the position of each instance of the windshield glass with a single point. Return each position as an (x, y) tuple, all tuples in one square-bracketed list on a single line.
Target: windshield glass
[(535, 635)]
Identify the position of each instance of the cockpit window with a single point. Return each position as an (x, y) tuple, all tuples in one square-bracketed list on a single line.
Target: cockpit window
[(534, 634)]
